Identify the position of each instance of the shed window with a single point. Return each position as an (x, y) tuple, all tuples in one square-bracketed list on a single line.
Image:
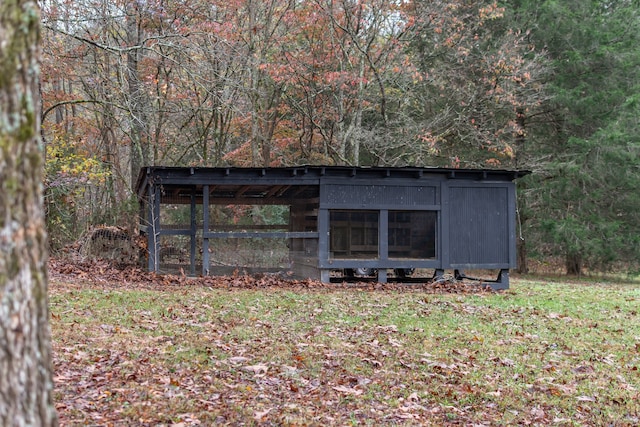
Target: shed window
[(354, 234), (412, 234)]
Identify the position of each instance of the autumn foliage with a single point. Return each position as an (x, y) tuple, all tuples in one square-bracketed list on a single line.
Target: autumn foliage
[(274, 83), (283, 82)]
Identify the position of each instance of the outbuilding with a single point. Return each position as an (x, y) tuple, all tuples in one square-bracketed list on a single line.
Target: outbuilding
[(330, 222)]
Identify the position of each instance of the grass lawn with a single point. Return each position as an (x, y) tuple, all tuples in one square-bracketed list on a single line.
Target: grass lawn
[(542, 353)]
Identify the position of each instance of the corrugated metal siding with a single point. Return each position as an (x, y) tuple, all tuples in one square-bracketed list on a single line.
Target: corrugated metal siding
[(372, 195), (479, 225)]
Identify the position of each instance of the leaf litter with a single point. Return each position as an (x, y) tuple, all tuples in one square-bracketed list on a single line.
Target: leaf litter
[(136, 348)]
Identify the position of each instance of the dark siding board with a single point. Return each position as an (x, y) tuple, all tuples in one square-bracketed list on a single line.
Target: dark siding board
[(323, 235), (479, 231), (511, 206), (359, 206), (383, 234), (378, 263), (376, 195), (442, 243)]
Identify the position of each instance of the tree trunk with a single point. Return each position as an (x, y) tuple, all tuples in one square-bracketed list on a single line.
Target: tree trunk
[(573, 263), (25, 343), (523, 264), (138, 120)]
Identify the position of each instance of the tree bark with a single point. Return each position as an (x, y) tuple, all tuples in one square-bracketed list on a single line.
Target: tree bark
[(25, 342), (573, 263), (138, 120), (523, 264)]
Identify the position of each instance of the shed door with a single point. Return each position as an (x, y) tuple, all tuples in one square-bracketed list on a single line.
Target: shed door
[(479, 226)]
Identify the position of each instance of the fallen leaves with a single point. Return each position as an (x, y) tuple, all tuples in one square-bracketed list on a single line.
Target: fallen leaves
[(348, 390), (133, 348), (257, 369), (100, 272)]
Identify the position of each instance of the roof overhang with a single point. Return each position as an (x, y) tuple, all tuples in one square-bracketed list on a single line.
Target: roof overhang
[(287, 184)]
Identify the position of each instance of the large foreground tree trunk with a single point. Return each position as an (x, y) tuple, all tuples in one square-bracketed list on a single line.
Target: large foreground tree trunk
[(25, 344)]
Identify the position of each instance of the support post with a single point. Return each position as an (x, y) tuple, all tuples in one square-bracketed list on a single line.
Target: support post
[(438, 275), (205, 230), (192, 251), (153, 236), (323, 243), (382, 275), (325, 276), (502, 282)]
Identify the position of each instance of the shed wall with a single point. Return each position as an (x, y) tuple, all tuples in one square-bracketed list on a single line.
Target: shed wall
[(480, 226)]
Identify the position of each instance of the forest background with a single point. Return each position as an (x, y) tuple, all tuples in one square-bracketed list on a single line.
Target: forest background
[(550, 86)]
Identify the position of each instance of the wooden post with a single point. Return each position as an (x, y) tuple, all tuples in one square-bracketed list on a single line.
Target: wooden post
[(192, 249), (205, 230)]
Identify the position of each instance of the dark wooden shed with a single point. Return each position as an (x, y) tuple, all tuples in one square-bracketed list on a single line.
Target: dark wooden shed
[(330, 222)]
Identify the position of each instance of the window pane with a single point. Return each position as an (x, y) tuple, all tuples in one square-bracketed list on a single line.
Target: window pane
[(354, 234), (412, 234)]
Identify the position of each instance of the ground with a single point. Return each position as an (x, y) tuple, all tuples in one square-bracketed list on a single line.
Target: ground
[(133, 348)]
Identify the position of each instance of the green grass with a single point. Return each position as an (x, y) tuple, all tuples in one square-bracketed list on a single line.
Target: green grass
[(540, 353)]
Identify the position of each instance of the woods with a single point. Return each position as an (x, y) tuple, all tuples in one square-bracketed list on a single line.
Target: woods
[(546, 86), (583, 196)]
